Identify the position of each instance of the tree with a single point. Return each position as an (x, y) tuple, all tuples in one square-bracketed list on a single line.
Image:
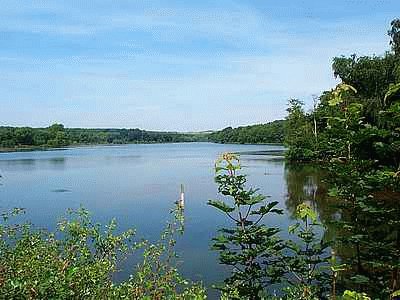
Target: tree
[(394, 34), (299, 135), (24, 136), (249, 246)]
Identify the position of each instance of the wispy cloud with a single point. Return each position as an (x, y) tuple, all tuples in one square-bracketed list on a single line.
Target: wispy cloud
[(181, 66)]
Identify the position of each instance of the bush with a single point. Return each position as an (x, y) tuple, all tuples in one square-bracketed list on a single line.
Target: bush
[(300, 154), (78, 259)]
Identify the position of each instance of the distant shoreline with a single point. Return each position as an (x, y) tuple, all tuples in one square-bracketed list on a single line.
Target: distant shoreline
[(235, 143), (48, 148)]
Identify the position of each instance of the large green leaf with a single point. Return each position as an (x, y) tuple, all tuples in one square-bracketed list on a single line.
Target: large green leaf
[(221, 206), (263, 210), (255, 199), (396, 294), (346, 87), (360, 279), (352, 295), (393, 91), (304, 211)]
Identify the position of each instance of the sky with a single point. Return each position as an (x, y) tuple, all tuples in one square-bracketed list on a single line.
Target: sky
[(176, 65)]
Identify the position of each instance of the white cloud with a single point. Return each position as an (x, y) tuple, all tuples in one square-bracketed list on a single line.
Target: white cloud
[(190, 68)]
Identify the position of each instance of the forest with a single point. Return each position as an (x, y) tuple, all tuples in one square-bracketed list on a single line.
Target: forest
[(57, 135), (353, 133), (358, 118), (272, 132), (352, 137)]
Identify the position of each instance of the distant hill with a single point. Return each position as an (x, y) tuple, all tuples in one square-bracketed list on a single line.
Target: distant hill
[(56, 135), (272, 132)]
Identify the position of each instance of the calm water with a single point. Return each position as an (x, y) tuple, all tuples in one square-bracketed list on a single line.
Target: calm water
[(138, 184)]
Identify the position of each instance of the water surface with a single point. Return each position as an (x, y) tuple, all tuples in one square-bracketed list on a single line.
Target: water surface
[(138, 184)]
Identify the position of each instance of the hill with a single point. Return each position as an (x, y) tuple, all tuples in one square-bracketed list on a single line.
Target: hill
[(272, 132)]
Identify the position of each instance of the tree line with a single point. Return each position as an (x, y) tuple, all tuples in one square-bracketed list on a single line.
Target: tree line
[(353, 132), (57, 135), (272, 132), (363, 107)]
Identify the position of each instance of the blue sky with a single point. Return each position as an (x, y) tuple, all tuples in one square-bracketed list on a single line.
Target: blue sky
[(175, 65)]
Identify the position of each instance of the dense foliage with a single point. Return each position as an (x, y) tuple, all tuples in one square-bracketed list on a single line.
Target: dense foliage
[(78, 260), (261, 261), (369, 88), (355, 131), (58, 136), (250, 247), (272, 132)]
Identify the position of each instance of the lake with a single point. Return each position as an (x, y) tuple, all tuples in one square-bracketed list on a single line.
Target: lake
[(138, 184)]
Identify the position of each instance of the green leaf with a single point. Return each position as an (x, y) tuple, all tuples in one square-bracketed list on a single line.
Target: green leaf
[(293, 228), (352, 295), (333, 192), (304, 211), (396, 294), (339, 268), (355, 107), (255, 199), (263, 210), (360, 279), (221, 206), (347, 87), (393, 90), (218, 169), (335, 101)]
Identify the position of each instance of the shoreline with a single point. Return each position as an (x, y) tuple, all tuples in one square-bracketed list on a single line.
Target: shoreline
[(49, 148), (60, 148)]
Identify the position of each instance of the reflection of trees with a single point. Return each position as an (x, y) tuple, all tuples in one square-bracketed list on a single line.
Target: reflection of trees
[(57, 162), (374, 225), (19, 164), (305, 183), (28, 164)]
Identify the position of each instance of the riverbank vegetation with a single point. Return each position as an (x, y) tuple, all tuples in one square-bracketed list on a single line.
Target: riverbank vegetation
[(359, 261), (354, 132), (56, 135), (272, 132), (361, 111), (78, 260)]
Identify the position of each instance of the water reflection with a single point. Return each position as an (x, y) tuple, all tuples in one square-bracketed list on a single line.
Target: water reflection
[(30, 164), (61, 191), (365, 233), (137, 185), (307, 183)]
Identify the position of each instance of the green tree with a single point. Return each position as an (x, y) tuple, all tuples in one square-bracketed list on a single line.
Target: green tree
[(24, 136), (250, 247), (299, 136), (306, 256), (394, 34)]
